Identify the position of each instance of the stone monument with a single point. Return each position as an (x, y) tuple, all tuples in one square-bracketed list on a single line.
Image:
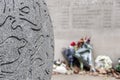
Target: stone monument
[(26, 40)]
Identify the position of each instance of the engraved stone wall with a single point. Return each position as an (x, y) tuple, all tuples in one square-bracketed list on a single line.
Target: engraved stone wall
[(26, 40), (99, 19)]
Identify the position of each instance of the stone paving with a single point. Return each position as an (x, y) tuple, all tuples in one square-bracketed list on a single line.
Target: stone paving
[(81, 77)]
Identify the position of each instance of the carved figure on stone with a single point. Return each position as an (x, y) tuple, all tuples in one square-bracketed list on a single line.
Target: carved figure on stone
[(10, 53), (26, 40)]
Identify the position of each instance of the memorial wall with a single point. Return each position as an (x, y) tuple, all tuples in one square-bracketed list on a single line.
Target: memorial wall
[(98, 19)]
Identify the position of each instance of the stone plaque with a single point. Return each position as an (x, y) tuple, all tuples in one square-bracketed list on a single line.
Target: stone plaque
[(26, 40)]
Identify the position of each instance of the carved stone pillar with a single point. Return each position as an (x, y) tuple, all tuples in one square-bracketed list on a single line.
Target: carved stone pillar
[(26, 40)]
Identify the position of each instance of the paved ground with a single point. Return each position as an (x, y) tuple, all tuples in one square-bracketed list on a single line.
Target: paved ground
[(81, 77)]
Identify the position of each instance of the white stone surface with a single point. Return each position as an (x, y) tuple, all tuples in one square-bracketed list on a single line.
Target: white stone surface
[(26, 40)]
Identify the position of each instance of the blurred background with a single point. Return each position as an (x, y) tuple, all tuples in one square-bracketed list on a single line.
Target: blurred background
[(76, 19), (98, 19)]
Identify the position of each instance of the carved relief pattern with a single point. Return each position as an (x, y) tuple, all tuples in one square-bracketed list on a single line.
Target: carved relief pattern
[(26, 40)]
